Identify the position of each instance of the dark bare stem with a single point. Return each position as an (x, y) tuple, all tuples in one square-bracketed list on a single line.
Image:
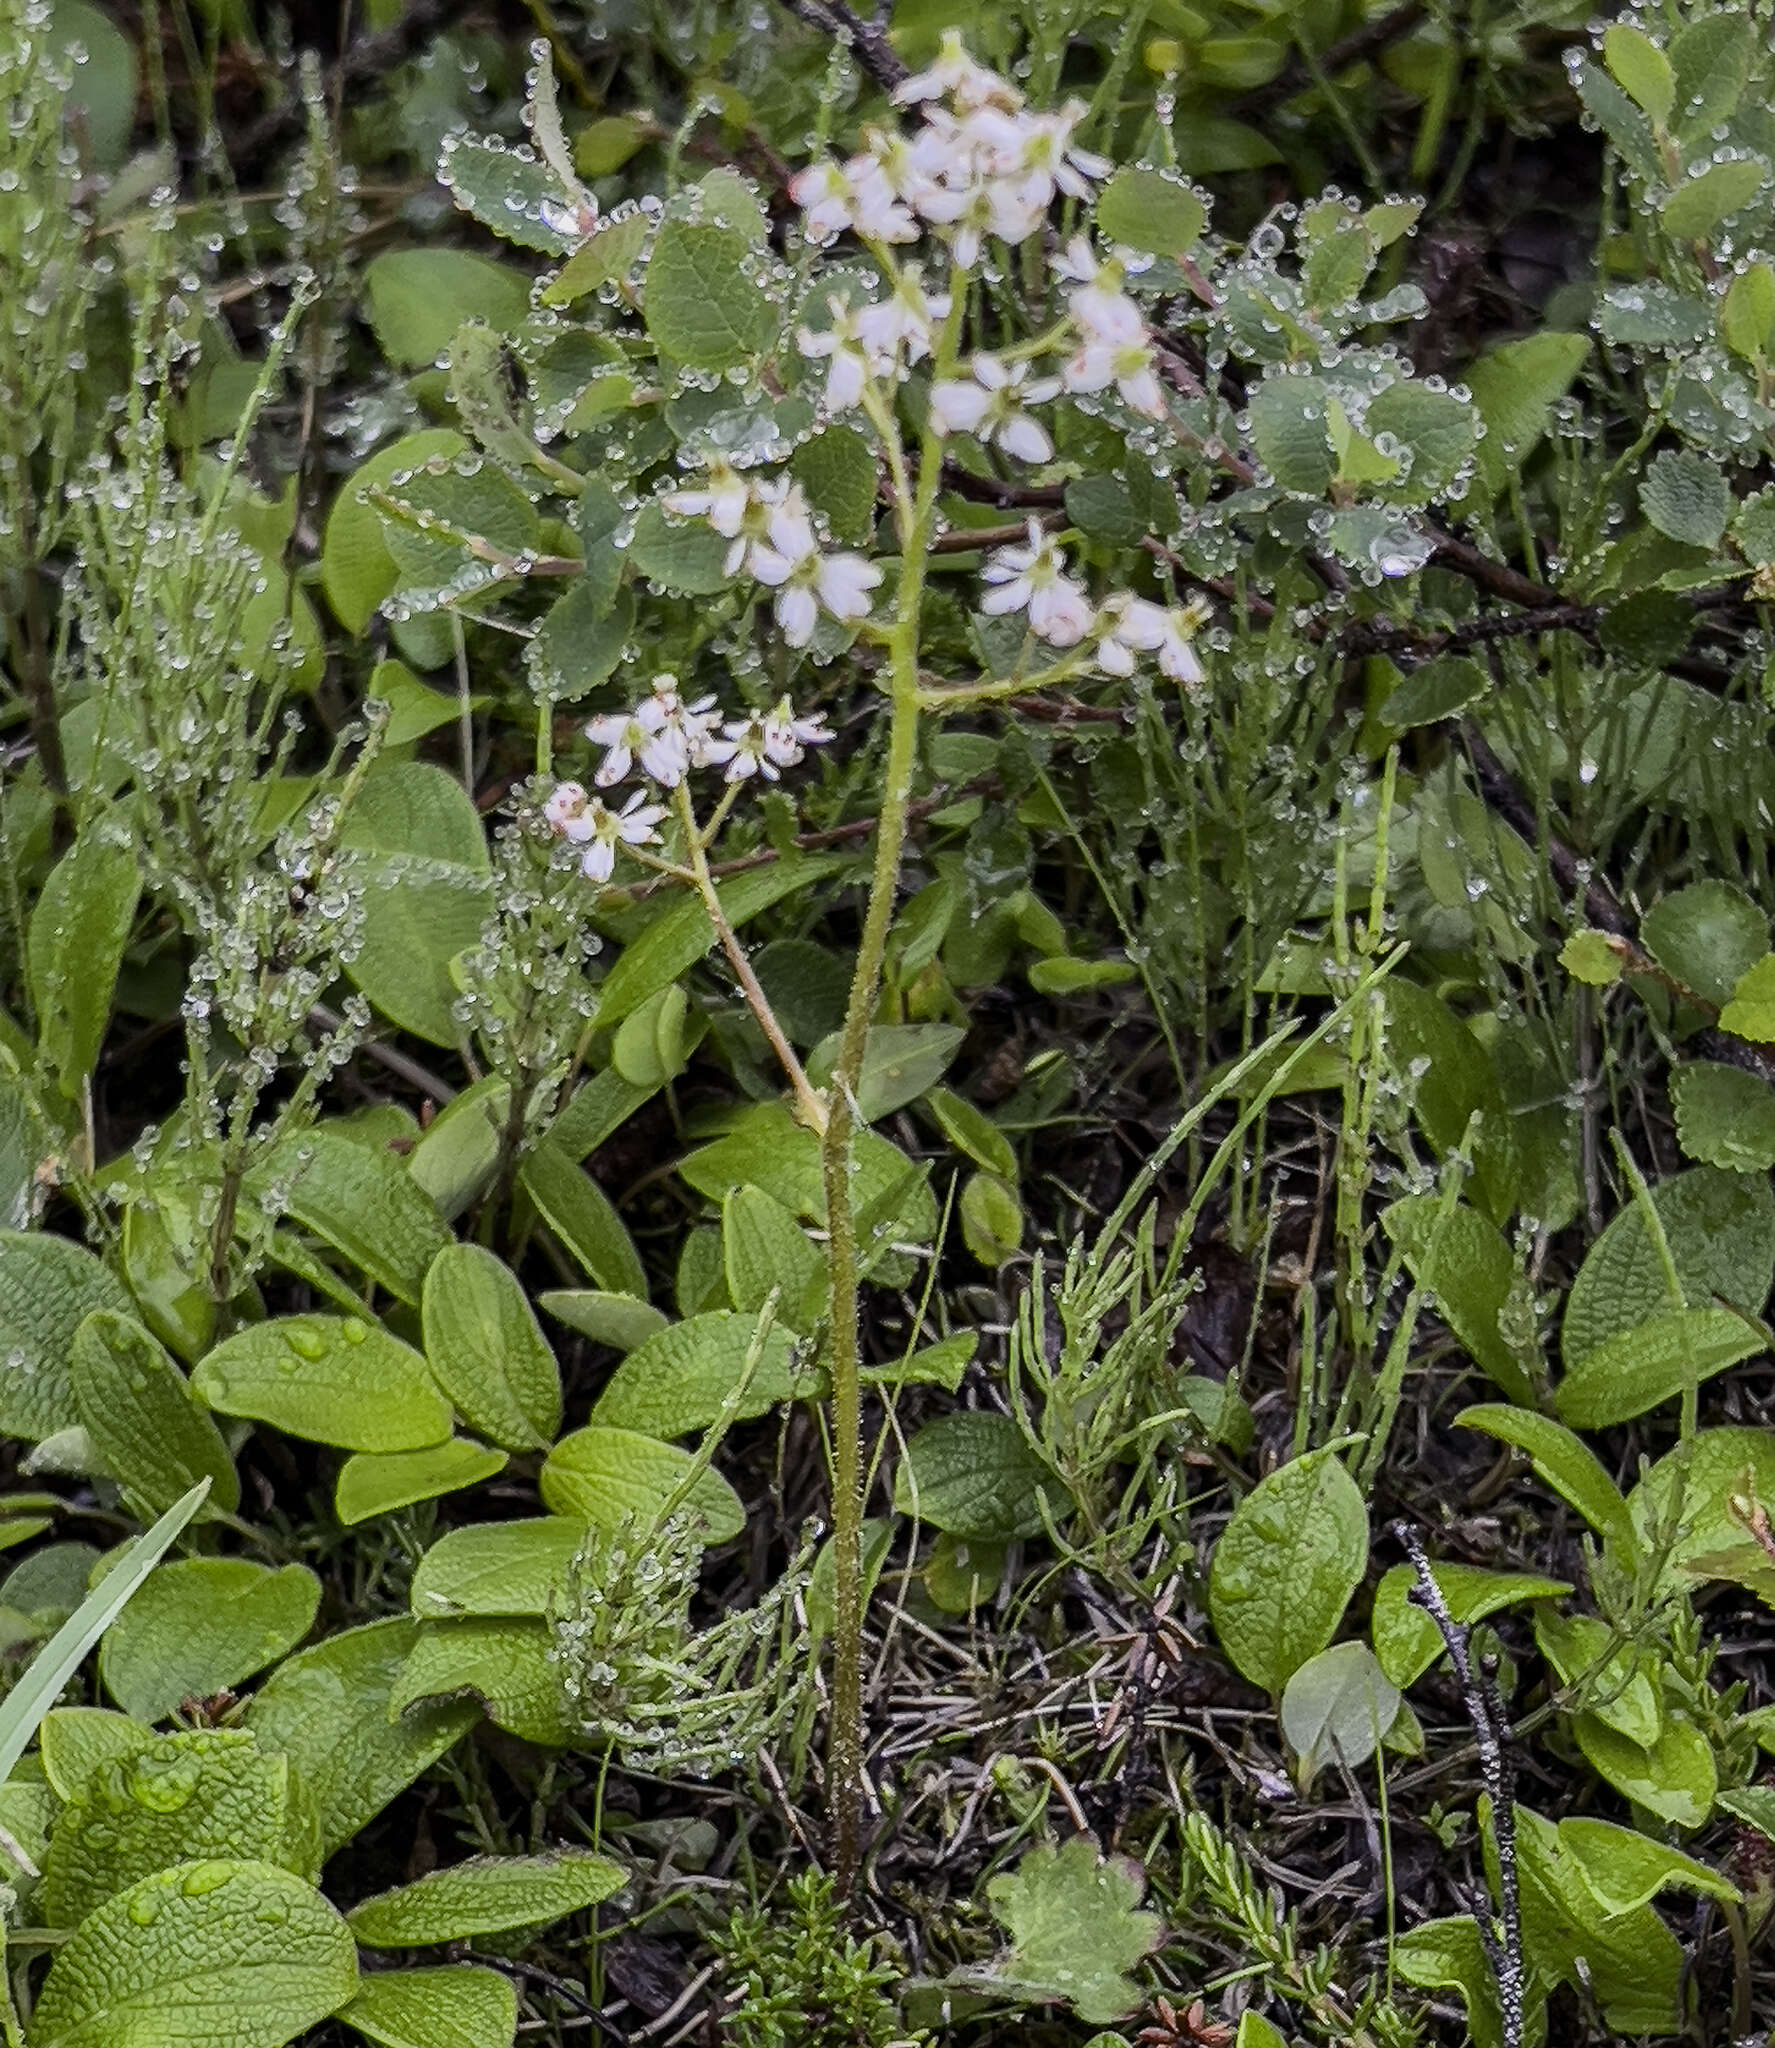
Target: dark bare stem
[(1491, 1731)]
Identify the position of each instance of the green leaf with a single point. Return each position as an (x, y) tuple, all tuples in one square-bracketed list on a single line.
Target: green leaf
[(1675, 1777), (79, 928), (1720, 1228), (687, 557), (48, 1287), (682, 934), (1651, 315), (1620, 1682), (991, 1216), (357, 570), (768, 1149), (506, 190), (1436, 433), (103, 91), (329, 1710), (1076, 1929), (459, 2005), (1751, 1011), (1440, 689), (456, 1158), (199, 1627), (1710, 59), (203, 1792), (1626, 1870), (1623, 122), (1753, 527), (616, 1320), (1289, 433), (1747, 318), (837, 470), (377, 1482), (583, 1217), (702, 299), (973, 1475), (74, 1741), (1698, 206), (413, 843), (1457, 1082), (497, 1568), (486, 1895), (333, 1379), (1064, 976), (134, 1404), (1285, 1568), (684, 1378), (506, 1667), (36, 1691), (900, 1061), (1594, 958), (972, 1132), (1407, 1642), (580, 642), (1653, 1362), (765, 1251), (486, 1351), (604, 1474), (1724, 1116), (611, 253), (1254, 2032), (1338, 1707), (1515, 387), (1564, 1461), (220, 1954), (417, 298), (1641, 68), (1683, 1506), (1686, 497), (1466, 1263), (650, 1047), (1152, 211), (1450, 1955), (362, 1201)]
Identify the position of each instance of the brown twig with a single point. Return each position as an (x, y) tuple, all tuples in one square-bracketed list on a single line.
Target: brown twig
[(867, 38), (1297, 77)]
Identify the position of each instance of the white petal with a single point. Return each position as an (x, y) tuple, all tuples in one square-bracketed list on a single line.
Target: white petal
[(958, 408), (597, 861), (797, 614), (1025, 438)]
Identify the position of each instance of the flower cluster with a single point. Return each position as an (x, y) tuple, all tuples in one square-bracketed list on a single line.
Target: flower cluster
[(1033, 577), (770, 528), (981, 165), (666, 738)]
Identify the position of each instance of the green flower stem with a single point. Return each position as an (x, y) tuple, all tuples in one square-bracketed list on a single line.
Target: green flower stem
[(810, 1105), (915, 505)]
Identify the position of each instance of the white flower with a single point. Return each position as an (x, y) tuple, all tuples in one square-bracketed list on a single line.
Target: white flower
[(839, 584), (1036, 152), (852, 362), (1034, 578), (957, 77), (694, 722), (989, 405), (907, 319), (857, 194), (1177, 655), (722, 500), (633, 825), (1100, 309), (786, 737), (1125, 626), (566, 812), (1126, 365), (650, 733)]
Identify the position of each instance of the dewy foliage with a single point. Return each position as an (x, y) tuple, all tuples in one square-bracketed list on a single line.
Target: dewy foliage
[(863, 882)]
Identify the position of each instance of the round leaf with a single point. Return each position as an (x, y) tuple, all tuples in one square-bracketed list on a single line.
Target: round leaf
[(1286, 1566), (333, 1379)]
